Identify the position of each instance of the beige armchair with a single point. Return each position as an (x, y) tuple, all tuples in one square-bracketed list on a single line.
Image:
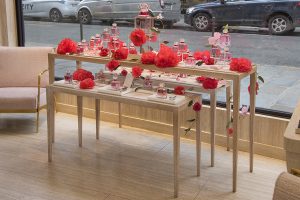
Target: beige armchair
[(23, 79)]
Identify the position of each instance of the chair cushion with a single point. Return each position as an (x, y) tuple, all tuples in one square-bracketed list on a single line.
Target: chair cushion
[(20, 66), (21, 98)]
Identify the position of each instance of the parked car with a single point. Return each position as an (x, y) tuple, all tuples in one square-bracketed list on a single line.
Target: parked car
[(112, 10), (280, 16), (55, 10)]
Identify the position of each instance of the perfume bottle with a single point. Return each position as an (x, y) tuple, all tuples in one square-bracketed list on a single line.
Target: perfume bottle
[(115, 83), (97, 41), (84, 45), (175, 47), (92, 43), (148, 82), (190, 61), (225, 39), (106, 35), (115, 43), (68, 77), (79, 48), (114, 30), (100, 77), (162, 91), (132, 49), (182, 47)]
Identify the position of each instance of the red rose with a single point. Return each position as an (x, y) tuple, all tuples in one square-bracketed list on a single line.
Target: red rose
[(179, 90), (81, 74), (210, 83), (137, 72), (148, 57), (256, 88), (113, 65), (67, 46), (230, 132), (121, 54), (138, 37), (132, 51), (104, 52), (200, 79), (202, 55), (197, 106), (209, 61), (166, 57), (124, 72), (240, 65), (87, 84)]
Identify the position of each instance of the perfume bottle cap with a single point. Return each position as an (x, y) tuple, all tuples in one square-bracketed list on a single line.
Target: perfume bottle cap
[(175, 44), (97, 35), (114, 24), (182, 40), (83, 41), (105, 30), (92, 37)]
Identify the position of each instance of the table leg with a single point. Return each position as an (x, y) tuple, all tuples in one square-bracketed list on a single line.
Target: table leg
[(253, 80), (176, 150), (50, 121), (198, 142), (97, 107), (79, 113), (236, 105), (120, 115), (213, 105), (228, 112)]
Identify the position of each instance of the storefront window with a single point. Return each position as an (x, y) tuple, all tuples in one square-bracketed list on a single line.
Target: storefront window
[(258, 31)]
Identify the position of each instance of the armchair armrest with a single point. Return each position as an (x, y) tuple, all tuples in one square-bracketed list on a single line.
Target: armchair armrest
[(39, 87)]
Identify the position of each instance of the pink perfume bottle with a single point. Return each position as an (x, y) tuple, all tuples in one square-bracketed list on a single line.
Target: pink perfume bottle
[(92, 43), (190, 61), (162, 91), (79, 48), (175, 47), (148, 82), (132, 49), (115, 30), (106, 35), (225, 39), (84, 45), (115, 83), (182, 47), (97, 41), (68, 77)]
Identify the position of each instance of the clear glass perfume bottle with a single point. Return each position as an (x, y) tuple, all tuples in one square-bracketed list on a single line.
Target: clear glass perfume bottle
[(148, 82), (79, 48), (84, 45), (100, 77), (175, 47), (182, 47), (225, 39), (162, 91), (115, 30), (105, 37), (92, 43), (190, 61), (115, 83), (98, 41), (68, 77)]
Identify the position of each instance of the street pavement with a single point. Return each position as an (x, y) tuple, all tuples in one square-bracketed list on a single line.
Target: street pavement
[(277, 57)]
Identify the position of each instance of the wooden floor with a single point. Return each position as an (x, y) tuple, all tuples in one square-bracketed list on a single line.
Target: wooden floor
[(125, 164)]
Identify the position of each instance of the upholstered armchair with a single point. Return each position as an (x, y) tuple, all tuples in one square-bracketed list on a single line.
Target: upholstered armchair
[(23, 78)]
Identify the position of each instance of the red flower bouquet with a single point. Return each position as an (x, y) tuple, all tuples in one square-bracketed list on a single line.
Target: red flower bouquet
[(256, 88), (67, 46), (210, 83), (87, 84), (179, 90), (201, 55), (113, 65), (81, 74), (121, 54), (200, 79), (138, 37), (166, 57), (241, 65), (137, 72), (148, 57), (197, 106), (124, 72), (209, 61), (104, 52)]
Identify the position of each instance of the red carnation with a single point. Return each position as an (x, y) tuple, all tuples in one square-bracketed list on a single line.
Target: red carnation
[(230, 132), (166, 57), (113, 65), (67, 46), (81, 74), (240, 65), (124, 72), (197, 106), (121, 54), (137, 72), (104, 52), (202, 55), (132, 51), (148, 57), (138, 37), (200, 79), (209, 61), (179, 90), (87, 84), (210, 83), (256, 88)]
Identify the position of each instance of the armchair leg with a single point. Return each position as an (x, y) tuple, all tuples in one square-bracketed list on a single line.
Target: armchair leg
[(37, 120)]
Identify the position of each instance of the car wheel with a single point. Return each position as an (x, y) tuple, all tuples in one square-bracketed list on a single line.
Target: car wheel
[(85, 16), (55, 15), (202, 22), (279, 24)]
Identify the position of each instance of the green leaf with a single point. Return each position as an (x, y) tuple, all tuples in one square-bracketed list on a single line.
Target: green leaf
[(191, 103), (156, 30), (166, 42), (199, 63), (191, 120), (142, 77), (151, 13), (261, 79)]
